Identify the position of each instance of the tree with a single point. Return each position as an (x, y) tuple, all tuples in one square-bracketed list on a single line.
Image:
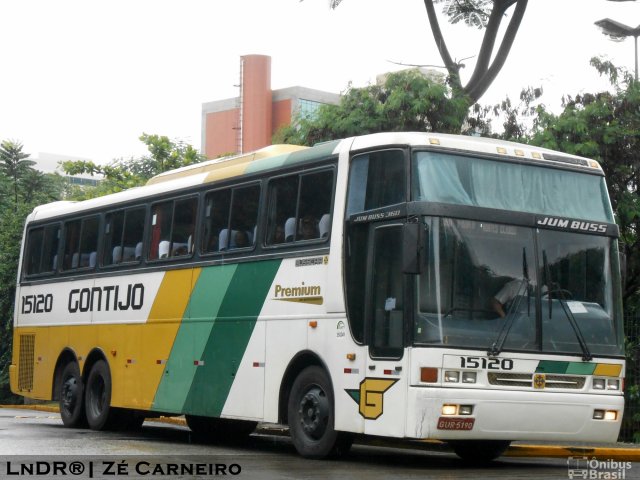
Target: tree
[(14, 164), (406, 101), (604, 126), (164, 154), (487, 14)]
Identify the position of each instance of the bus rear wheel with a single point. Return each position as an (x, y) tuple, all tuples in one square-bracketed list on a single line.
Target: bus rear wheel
[(71, 397), (100, 414), (479, 451), (311, 416)]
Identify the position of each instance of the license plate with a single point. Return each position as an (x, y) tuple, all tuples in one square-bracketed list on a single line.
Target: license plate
[(449, 423)]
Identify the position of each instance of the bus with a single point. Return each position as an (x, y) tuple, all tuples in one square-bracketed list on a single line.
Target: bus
[(403, 285)]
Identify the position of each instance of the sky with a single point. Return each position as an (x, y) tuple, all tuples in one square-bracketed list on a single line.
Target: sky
[(85, 78)]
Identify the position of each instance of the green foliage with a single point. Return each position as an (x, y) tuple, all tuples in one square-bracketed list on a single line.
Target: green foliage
[(407, 101), (164, 154), (604, 126)]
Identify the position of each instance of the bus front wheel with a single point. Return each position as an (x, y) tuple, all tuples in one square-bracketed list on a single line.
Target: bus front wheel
[(71, 397), (311, 416)]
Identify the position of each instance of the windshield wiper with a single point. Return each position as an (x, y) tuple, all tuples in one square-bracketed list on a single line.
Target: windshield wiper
[(555, 288), (498, 344)]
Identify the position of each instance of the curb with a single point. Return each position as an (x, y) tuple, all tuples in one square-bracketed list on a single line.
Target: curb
[(519, 450)]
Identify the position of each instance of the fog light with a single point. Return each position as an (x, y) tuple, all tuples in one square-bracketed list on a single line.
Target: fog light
[(598, 414), (465, 410), (599, 383), (469, 377), (613, 384), (610, 415), (449, 410), (451, 376)]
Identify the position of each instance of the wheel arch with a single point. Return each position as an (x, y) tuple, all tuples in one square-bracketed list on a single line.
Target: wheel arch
[(67, 356), (298, 363), (95, 355)]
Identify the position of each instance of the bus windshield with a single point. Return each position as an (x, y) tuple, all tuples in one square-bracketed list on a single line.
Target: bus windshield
[(465, 180), (525, 289)]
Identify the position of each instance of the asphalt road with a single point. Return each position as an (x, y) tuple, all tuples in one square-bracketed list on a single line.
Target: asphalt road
[(35, 444)]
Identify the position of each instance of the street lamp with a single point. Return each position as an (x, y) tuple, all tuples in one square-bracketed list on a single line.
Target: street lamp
[(618, 32)]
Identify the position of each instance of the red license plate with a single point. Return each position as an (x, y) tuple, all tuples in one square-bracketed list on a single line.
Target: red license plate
[(455, 423)]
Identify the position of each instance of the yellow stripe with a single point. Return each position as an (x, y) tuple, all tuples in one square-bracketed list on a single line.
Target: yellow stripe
[(608, 370)]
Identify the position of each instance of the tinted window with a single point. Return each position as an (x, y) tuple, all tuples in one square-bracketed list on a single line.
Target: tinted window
[(376, 179), (41, 255), (172, 228), (231, 217), (123, 236), (80, 243), (299, 208)]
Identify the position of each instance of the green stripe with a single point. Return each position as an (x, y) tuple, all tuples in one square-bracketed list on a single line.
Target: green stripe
[(191, 339), (549, 366), (569, 368), (307, 155), (585, 368), (230, 334)]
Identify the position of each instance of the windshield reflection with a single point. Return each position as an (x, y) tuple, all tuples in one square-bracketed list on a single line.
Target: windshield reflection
[(485, 286)]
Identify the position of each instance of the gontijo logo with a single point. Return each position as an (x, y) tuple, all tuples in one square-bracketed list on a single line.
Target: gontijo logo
[(370, 396)]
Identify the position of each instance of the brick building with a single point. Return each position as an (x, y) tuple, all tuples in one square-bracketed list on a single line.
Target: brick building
[(247, 122)]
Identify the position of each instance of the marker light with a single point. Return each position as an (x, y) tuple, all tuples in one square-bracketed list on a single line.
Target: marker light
[(449, 410), (429, 375)]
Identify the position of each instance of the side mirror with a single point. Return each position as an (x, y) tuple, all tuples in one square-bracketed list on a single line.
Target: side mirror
[(411, 248)]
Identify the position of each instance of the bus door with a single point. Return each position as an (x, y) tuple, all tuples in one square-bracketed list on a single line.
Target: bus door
[(385, 384)]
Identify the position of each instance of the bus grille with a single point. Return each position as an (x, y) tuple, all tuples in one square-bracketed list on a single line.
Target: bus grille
[(25, 366), (572, 382)]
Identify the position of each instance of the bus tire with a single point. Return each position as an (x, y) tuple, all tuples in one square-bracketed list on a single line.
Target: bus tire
[(211, 428), (100, 414), (71, 397), (479, 451), (311, 416)]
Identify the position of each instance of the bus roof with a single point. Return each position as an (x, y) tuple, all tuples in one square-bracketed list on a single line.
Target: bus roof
[(281, 156)]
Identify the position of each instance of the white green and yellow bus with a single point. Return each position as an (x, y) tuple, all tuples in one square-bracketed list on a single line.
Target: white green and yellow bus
[(404, 285)]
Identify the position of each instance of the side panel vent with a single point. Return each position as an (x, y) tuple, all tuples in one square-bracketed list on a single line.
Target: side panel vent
[(25, 366)]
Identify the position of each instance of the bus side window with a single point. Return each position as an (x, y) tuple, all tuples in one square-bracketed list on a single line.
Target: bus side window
[(41, 255), (172, 228), (183, 228), (376, 179), (161, 218), (81, 243), (123, 236), (216, 220), (299, 208), (244, 216), (33, 256)]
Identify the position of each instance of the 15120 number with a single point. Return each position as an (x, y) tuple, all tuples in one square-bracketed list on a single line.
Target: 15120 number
[(37, 303), (486, 363)]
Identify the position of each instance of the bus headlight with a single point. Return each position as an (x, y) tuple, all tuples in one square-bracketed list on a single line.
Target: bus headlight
[(469, 377), (613, 384), (599, 383), (451, 376)]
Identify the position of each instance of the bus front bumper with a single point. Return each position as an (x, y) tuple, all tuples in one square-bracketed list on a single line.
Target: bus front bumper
[(512, 415)]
